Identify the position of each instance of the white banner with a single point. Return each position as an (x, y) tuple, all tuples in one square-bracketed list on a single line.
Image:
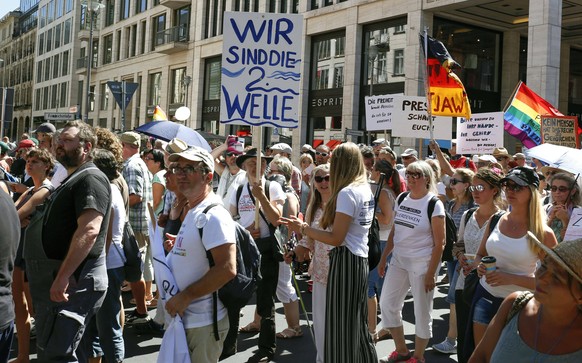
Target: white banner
[(261, 69), (410, 119), (379, 112), (481, 134), (574, 230)]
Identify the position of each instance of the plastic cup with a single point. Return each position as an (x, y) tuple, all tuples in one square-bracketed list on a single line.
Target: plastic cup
[(470, 258), (490, 263)]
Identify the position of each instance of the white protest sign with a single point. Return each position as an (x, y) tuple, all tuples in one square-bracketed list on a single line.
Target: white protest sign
[(410, 119), (574, 230), (480, 134), (261, 69), (379, 112)]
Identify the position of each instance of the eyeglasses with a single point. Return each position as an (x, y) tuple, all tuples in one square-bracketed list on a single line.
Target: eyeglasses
[(561, 189), (454, 181), (322, 154), (512, 186), (476, 188), (149, 158), (187, 170), (230, 154), (413, 175), (552, 172), (319, 179), (501, 158), (275, 171)]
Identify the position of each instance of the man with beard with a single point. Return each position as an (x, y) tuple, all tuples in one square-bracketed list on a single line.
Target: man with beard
[(65, 263), (231, 176)]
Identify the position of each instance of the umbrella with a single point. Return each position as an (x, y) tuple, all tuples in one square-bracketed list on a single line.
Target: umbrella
[(561, 157), (167, 130)]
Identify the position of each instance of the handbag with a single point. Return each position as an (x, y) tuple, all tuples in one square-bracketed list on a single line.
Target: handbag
[(132, 261), (471, 282), (374, 248)]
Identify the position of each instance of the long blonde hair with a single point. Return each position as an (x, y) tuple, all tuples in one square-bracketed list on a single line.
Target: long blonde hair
[(347, 167), (315, 199), (537, 219)]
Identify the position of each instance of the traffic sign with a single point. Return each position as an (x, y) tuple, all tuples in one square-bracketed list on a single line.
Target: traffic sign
[(60, 116), (351, 132), (116, 89)]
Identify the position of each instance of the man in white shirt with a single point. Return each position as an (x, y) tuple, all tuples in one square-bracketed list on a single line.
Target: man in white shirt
[(196, 279)]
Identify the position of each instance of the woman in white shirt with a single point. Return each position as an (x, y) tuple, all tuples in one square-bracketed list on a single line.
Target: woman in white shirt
[(349, 214), (416, 243)]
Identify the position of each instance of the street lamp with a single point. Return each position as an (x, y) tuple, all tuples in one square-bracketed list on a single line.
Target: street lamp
[(91, 7), (186, 81)]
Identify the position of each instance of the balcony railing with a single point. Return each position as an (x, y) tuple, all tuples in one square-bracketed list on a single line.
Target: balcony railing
[(177, 34), (82, 63)]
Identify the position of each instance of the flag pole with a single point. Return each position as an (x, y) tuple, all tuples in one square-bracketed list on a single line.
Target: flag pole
[(510, 99), (259, 131), (426, 88)]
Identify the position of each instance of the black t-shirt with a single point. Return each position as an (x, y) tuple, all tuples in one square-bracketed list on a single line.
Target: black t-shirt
[(9, 237), (89, 190)]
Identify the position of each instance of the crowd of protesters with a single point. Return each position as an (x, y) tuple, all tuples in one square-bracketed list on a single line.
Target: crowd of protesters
[(74, 190)]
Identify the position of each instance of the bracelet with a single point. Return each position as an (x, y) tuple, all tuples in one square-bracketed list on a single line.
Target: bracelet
[(302, 229)]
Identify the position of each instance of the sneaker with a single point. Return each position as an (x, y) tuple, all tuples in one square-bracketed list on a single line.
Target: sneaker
[(133, 317), (149, 327), (446, 346), (396, 357)]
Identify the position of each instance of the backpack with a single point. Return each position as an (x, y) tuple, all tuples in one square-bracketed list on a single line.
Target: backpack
[(132, 262), (236, 293), (450, 226), (374, 249)]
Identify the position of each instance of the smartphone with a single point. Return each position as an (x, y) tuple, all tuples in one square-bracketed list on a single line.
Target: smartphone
[(309, 169)]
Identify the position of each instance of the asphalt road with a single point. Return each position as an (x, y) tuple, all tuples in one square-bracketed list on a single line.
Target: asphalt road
[(143, 348)]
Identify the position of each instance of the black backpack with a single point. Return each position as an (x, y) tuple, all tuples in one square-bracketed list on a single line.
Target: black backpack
[(450, 226), (236, 293), (374, 249)]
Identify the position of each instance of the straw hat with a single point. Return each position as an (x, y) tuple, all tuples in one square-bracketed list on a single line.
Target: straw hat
[(567, 254)]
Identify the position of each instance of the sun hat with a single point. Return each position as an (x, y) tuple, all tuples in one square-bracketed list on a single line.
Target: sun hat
[(306, 148), (500, 152), (282, 147), (487, 157), (176, 146), (131, 138), (252, 153), (523, 176), (567, 254), (194, 154), (410, 152), (519, 156)]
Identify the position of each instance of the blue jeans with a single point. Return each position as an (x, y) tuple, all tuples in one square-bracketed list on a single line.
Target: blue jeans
[(453, 277), (6, 336), (374, 281), (104, 329)]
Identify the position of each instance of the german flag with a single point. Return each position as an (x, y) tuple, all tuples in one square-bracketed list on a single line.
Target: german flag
[(445, 91)]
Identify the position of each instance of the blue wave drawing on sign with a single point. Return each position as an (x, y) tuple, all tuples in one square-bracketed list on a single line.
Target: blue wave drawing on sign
[(234, 74), (285, 75), (272, 89), (262, 123)]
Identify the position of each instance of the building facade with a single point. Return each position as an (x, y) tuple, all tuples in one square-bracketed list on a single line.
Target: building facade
[(352, 48)]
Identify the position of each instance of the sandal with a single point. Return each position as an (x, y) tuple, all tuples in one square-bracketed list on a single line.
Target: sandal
[(383, 334), (250, 328), (290, 333)]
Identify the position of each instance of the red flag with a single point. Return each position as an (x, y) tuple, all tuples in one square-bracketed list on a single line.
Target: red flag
[(446, 93)]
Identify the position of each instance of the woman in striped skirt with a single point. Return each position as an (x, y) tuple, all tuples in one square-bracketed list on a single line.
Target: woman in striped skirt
[(344, 225)]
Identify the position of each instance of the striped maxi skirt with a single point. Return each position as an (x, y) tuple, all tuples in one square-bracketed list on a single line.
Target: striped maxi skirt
[(346, 320)]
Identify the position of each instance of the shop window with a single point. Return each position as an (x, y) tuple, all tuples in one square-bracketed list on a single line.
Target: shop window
[(212, 79), (336, 123)]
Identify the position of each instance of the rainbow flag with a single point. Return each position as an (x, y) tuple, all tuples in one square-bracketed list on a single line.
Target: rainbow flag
[(522, 119), (159, 114), (445, 91)]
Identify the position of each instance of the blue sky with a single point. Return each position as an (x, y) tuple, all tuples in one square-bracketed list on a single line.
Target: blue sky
[(7, 6)]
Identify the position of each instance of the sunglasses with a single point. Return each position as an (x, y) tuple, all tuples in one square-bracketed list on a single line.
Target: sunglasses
[(187, 170), (319, 179), (320, 153), (230, 154), (413, 175), (512, 186), (476, 188), (561, 189), (455, 181), (548, 173), (501, 158)]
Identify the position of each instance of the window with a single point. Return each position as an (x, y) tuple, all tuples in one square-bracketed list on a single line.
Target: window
[(45, 98), (330, 67), (155, 89), (132, 41), (109, 12), (37, 99), (124, 9), (140, 6), (65, 66), (322, 78), (182, 21), (399, 29), (212, 79), (95, 53), (39, 72), (41, 44), (338, 76), (178, 90), (398, 62), (324, 49), (49, 40), (142, 43), (92, 98), (47, 69), (57, 36), (50, 16), (67, 32), (63, 97), (60, 6), (54, 96), (118, 45), (107, 49), (68, 6), (42, 17), (340, 47), (56, 67), (159, 25), (104, 97)]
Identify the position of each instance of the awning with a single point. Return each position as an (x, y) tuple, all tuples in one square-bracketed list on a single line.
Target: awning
[(316, 143), (333, 144)]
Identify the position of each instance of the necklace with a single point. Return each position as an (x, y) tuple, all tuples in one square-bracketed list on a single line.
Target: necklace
[(556, 342), (179, 202)]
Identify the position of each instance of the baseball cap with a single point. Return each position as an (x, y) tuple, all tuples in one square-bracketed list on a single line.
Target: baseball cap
[(4, 147), (306, 148), (410, 152), (46, 127), (282, 147), (519, 156), (523, 176), (194, 154), (131, 138), (25, 144)]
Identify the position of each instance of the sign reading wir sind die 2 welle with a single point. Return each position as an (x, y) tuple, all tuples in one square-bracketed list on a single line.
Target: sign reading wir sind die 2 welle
[(261, 69)]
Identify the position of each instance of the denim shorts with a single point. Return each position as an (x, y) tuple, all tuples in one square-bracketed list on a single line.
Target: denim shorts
[(485, 305)]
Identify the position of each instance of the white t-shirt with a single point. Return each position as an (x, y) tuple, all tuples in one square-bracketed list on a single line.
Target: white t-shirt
[(412, 228), (246, 207), (229, 183), (357, 201), (188, 261), (114, 256)]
